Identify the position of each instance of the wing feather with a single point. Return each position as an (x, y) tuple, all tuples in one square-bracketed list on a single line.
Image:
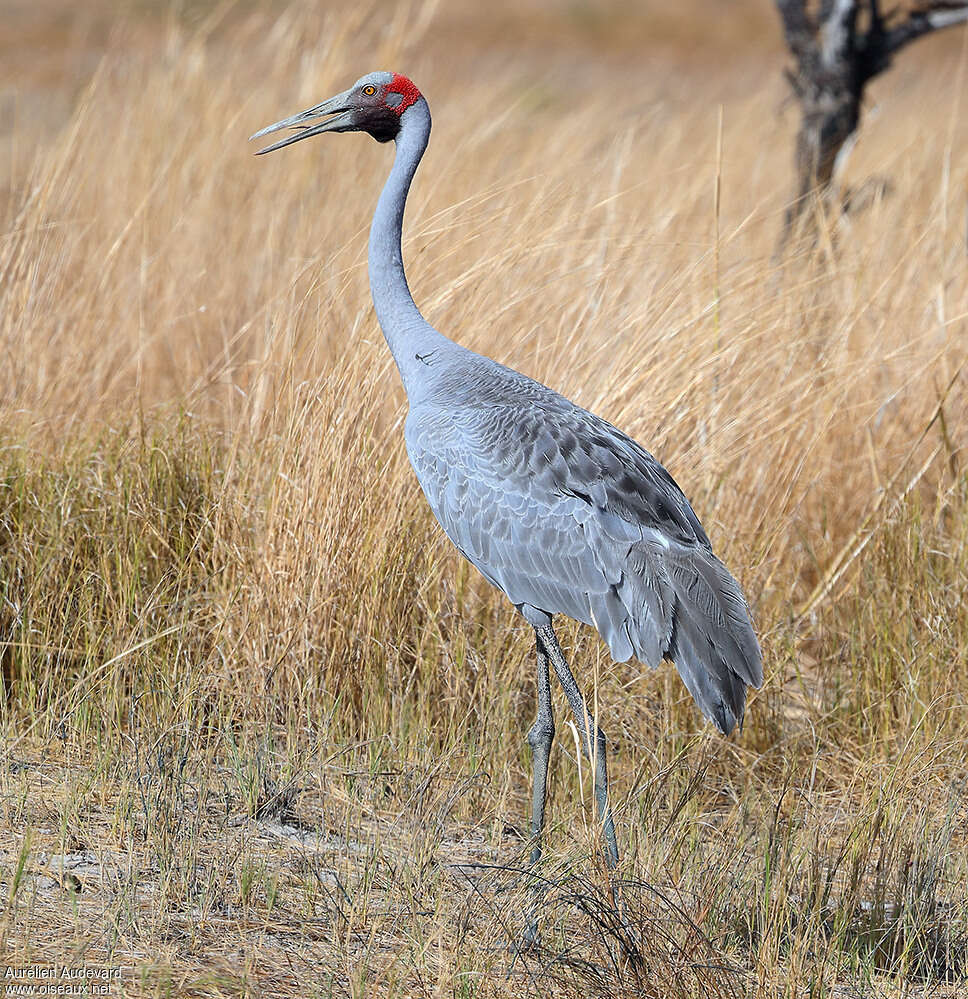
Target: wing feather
[(567, 515)]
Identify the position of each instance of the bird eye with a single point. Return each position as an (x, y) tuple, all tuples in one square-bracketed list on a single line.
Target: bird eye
[(369, 91)]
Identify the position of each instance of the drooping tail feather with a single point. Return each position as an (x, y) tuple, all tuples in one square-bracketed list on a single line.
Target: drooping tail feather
[(712, 643)]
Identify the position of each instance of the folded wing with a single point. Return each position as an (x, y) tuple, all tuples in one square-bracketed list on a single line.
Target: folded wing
[(567, 515)]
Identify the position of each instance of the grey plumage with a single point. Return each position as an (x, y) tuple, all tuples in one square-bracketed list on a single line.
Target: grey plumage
[(556, 507), (568, 515)]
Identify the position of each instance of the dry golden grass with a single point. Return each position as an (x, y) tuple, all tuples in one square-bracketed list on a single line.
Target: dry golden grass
[(264, 732)]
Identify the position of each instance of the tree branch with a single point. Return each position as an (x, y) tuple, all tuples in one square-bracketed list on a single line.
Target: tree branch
[(877, 20), (921, 22), (797, 26), (837, 30)]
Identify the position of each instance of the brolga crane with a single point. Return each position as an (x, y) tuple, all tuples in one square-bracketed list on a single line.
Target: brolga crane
[(556, 507)]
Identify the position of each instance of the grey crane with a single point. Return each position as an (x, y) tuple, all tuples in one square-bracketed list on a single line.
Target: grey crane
[(556, 507)]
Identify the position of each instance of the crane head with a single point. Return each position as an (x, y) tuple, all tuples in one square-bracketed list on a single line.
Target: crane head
[(374, 104)]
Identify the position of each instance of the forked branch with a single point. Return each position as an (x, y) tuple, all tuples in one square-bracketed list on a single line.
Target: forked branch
[(837, 50)]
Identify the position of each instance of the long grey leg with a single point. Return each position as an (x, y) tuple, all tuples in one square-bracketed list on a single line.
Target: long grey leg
[(547, 640), (539, 738)]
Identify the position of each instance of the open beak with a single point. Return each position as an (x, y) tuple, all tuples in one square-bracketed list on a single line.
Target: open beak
[(338, 108)]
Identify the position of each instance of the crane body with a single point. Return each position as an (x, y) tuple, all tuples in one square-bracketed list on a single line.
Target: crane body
[(555, 506)]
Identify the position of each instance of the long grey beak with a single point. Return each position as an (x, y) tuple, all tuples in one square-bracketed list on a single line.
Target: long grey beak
[(337, 106)]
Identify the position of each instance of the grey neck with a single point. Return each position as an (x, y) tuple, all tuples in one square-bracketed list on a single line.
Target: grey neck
[(407, 333)]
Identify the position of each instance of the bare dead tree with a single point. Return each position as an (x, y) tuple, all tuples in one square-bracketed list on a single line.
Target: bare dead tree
[(839, 46)]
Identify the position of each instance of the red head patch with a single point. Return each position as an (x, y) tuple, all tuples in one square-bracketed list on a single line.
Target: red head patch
[(410, 94)]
